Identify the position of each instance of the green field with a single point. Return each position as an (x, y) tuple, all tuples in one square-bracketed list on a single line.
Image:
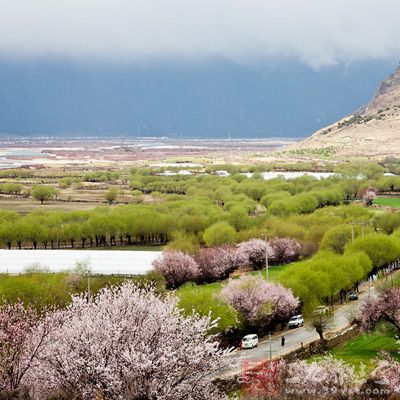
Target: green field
[(387, 201), (44, 290), (204, 298), (365, 348)]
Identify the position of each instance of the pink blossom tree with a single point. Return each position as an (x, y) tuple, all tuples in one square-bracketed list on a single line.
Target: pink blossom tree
[(128, 343), (18, 350), (215, 262), (280, 250), (388, 373), (253, 252), (369, 196), (324, 378), (259, 301), (177, 268), (384, 308), (284, 250)]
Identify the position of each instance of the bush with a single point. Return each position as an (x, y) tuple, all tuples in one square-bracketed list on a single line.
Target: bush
[(336, 238), (219, 234), (215, 262), (177, 268), (381, 249), (258, 301)]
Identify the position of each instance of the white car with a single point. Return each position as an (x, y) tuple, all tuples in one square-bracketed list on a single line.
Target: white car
[(249, 342), (296, 321), (321, 310)]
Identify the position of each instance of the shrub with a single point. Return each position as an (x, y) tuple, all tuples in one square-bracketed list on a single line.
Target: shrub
[(177, 268), (215, 262), (258, 301), (219, 234)]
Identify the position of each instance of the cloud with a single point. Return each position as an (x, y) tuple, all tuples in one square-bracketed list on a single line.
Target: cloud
[(319, 32)]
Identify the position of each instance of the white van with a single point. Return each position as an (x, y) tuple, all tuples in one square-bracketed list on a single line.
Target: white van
[(249, 342)]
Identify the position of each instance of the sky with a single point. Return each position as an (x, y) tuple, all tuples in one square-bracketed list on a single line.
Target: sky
[(318, 32)]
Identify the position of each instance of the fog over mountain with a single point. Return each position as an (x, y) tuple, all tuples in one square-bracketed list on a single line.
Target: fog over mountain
[(209, 98), (251, 68)]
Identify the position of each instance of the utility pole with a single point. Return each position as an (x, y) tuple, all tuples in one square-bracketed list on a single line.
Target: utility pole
[(88, 287), (352, 231), (266, 255), (270, 347), (363, 225)]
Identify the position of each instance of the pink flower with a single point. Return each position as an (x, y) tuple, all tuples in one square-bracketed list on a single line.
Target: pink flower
[(177, 267), (259, 301)]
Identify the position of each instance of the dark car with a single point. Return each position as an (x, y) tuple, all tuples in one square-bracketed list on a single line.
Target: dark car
[(353, 296)]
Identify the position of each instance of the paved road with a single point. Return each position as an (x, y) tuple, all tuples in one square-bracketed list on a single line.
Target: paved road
[(295, 337)]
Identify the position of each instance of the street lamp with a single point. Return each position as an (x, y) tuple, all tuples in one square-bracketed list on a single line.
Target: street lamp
[(266, 255)]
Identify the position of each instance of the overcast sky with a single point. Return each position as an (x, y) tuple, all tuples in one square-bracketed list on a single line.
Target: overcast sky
[(319, 32)]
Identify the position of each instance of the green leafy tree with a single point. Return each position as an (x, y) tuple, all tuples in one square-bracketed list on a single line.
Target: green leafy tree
[(111, 195), (381, 249), (219, 233), (43, 193), (336, 238)]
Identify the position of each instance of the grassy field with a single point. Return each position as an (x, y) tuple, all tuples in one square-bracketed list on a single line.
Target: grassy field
[(365, 348), (127, 248), (26, 205), (387, 201), (204, 298), (47, 289)]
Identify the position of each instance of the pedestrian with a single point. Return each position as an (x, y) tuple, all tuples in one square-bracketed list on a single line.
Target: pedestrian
[(283, 340)]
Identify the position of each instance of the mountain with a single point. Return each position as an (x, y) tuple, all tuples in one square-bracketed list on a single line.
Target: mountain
[(373, 131), (210, 97)]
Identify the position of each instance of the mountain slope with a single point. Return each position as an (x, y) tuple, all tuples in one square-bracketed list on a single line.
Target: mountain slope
[(374, 131)]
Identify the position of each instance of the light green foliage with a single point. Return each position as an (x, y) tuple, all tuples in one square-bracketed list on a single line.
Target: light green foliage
[(65, 182), (387, 222), (204, 299), (111, 195), (43, 193), (324, 275), (268, 198), (43, 290), (336, 238), (186, 243), (11, 188), (219, 233), (381, 249)]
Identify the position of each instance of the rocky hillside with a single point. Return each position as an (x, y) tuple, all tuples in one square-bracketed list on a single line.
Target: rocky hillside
[(373, 131)]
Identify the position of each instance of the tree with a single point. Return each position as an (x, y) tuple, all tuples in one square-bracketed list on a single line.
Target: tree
[(177, 268), (384, 308), (387, 372), (320, 322), (219, 233), (215, 262), (381, 249), (43, 193), (259, 301), (369, 196), (253, 252), (336, 238), (284, 250), (129, 343), (320, 379), (111, 195), (18, 349)]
